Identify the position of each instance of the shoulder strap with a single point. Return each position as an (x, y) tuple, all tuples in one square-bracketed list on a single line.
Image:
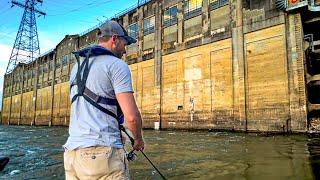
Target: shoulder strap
[(89, 96)]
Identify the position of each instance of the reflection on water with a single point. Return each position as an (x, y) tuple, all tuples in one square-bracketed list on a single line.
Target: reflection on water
[(314, 149), (36, 153)]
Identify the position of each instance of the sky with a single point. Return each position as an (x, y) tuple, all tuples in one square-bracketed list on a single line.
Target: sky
[(63, 17)]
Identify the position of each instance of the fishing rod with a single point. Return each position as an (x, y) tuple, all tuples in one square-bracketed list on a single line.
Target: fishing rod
[(132, 143)]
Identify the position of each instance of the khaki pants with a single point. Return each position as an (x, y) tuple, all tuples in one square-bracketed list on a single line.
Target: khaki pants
[(96, 163)]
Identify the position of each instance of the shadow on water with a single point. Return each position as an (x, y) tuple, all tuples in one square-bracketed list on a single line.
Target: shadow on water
[(36, 153), (314, 149)]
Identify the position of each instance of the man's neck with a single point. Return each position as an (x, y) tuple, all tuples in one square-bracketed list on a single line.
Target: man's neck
[(105, 45)]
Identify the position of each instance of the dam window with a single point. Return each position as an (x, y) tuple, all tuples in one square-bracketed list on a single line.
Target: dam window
[(133, 30), (313, 92), (65, 60), (58, 63), (40, 70), (215, 4), (170, 16), (29, 74), (45, 68), (148, 25), (180, 107), (51, 65), (192, 8)]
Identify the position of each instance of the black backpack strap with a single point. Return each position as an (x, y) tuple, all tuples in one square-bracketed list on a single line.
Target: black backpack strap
[(88, 95), (76, 54), (99, 99), (100, 107), (81, 82)]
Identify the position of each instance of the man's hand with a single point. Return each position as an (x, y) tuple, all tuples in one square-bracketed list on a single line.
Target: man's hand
[(138, 145)]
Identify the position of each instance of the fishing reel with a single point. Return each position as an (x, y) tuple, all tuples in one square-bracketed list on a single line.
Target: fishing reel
[(131, 156)]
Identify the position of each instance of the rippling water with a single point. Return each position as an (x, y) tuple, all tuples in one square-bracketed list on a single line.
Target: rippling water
[(36, 153)]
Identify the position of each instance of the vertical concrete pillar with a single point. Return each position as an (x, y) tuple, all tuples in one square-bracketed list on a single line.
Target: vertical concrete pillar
[(52, 86), (35, 93), (47, 66), (3, 96), (140, 34), (205, 21), (180, 21), (125, 21), (158, 54), (11, 94), (21, 93), (69, 65), (296, 69), (158, 42), (238, 66), (125, 24)]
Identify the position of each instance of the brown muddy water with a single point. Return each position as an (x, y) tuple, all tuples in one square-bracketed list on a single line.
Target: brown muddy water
[(36, 153)]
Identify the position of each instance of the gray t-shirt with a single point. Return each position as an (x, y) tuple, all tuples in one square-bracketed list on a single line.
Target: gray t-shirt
[(89, 126)]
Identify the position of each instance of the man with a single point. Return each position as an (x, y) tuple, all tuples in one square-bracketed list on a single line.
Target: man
[(100, 82)]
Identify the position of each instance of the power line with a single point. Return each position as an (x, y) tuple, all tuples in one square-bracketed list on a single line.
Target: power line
[(92, 4), (4, 11)]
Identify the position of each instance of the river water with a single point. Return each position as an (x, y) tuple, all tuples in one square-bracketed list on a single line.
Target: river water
[(36, 153)]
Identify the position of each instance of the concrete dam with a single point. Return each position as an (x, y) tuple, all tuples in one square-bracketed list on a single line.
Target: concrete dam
[(251, 65)]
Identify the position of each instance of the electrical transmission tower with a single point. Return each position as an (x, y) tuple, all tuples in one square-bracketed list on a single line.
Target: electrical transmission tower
[(26, 46)]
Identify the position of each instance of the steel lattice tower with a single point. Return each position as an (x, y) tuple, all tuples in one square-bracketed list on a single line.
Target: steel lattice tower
[(26, 46)]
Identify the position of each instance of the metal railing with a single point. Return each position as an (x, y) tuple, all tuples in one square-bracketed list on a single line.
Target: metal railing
[(117, 15)]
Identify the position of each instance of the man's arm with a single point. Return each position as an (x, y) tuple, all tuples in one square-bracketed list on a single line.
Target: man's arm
[(132, 117)]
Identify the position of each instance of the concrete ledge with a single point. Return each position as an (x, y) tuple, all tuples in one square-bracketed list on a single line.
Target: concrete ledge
[(313, 107)]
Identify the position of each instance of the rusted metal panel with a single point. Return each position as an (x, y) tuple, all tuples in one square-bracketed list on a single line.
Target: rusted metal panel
[(267, 80), (221, 83), (56, 105), (169, 83), (15, 111), (6, 111), (64, 104), (26, 109), (43, 106)]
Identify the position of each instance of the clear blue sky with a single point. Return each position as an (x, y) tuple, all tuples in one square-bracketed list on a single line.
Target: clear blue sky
[(63, 17)]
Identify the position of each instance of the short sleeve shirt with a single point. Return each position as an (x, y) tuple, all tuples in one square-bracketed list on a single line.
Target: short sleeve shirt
[(89, 126)]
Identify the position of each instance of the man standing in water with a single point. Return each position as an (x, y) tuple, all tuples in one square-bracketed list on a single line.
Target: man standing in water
[(94, 149)]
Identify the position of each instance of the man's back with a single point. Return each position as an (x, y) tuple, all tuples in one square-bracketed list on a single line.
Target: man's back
[(89, 126)]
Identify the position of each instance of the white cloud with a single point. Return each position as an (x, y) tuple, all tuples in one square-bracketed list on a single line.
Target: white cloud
[(5, 52), (46, 41)]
